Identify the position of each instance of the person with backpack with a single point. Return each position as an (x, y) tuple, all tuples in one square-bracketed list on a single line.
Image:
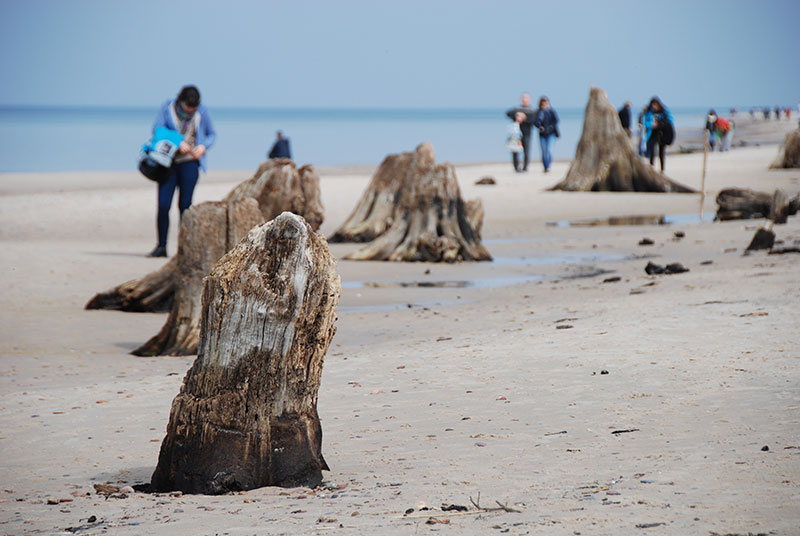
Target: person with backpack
[(659, 130), (547, 123), (187, 116)]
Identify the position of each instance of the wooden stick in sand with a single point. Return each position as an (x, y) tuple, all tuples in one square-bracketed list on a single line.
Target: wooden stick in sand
[(703, 179)]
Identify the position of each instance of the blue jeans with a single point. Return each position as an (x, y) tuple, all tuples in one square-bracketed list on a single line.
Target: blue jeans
[(184, 177), (546, 142)]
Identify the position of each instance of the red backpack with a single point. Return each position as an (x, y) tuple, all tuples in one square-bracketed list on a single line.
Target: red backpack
[(723, 125)]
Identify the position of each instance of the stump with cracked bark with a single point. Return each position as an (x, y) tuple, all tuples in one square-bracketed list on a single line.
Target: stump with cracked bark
[(605, 160), (246, 415), (208, 230), (412, 210), (277, 185)]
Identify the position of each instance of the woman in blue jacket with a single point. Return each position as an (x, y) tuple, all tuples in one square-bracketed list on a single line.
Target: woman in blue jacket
[(659, 130), (186, 115), (547, 123)]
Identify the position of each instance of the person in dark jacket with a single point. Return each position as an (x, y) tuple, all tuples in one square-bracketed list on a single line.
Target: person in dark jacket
[(280, 149), (624, 114), (711, 125), (525, 126), (659, 128), (547, 124)]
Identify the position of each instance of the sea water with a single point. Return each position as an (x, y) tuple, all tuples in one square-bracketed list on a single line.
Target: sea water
[(86, 139)]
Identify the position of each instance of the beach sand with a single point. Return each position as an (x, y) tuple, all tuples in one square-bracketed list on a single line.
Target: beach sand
[(643, 405)]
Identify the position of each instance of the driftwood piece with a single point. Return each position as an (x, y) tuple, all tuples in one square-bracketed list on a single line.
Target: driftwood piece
[(605, 160), (429, 219), (246, 415), (789, 152), (277, 186), (743, 204), (208, 231)]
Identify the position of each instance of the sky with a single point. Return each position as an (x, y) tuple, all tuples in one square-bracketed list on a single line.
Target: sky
[(407, 54)]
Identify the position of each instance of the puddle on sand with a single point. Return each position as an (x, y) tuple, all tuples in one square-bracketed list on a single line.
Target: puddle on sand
[(477, 283), (641, 219)]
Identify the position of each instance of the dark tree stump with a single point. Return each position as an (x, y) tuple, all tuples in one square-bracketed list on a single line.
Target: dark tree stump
[(743, 204), (208, 231), (789, 152), (246, 416), (277, 186), (605, 161), (387, 196), (428, 220), (763, 239)]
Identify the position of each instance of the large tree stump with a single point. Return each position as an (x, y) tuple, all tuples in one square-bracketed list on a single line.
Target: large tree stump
[(277, 185), (379, 205), (416, 213), (605, 161), (789, 152), (208, 231), (743, 204), (246, 416)]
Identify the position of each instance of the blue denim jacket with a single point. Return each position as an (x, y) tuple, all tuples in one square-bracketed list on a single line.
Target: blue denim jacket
[(205, 134)]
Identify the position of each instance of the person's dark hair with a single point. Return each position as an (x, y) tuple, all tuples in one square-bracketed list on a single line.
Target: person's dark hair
[(190, 96), (655, 100)]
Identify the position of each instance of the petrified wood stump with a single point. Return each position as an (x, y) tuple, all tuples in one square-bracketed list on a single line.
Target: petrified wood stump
[(413, 211), (277, 186), (246, 415), (605, 160), (789, 152), (208, 230)]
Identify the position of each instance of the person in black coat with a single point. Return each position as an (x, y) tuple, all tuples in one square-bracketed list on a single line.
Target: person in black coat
[(624, 114), (280, 149), (525, 126)]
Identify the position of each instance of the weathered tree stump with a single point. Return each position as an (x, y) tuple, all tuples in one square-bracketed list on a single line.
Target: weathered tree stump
[(789, 152), (208, 231), (413, 211), (246, 416), (743, 204), (277, 185), (605, 161), (380, 204)]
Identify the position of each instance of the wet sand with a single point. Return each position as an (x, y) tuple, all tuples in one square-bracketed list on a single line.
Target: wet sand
[(592, 404)]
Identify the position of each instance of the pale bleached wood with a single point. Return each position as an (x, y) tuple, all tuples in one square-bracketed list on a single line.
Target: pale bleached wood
[(246, 415)]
